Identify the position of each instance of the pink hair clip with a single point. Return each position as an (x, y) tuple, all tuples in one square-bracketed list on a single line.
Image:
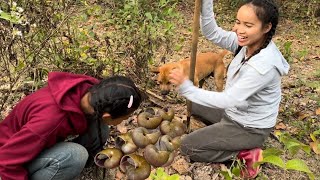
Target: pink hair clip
[(130, 101)]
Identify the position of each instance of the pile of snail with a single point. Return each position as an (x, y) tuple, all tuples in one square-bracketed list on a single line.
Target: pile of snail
[(158, 135)]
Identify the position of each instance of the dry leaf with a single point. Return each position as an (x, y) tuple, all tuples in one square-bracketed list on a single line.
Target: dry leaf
[(223, 167), (318, 111), (185, 178), (215, 176), (196, 124), (181, 166), (122, 128), (302, 116), (119, 175), (134, 119), (315, 147), (292, 130), (314, 57), (281, 126)]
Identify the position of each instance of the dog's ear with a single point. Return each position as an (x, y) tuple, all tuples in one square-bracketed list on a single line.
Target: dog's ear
[(154, 69)]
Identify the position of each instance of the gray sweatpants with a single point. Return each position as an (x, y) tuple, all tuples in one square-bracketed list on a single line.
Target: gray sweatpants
[(222, 140)]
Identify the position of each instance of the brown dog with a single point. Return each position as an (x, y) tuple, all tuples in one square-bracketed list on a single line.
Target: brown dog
[(206, 64)]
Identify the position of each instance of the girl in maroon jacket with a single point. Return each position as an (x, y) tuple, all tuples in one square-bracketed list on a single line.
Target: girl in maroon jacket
[(32, 136)]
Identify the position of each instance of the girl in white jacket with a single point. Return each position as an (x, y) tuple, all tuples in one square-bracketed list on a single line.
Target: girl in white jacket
[(242, 116)]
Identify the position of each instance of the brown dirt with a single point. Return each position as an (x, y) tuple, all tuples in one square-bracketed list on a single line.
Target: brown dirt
[(302, 69), (302, 99)]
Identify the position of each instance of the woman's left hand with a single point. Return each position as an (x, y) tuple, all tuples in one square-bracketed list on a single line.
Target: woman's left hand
[(177, 77)]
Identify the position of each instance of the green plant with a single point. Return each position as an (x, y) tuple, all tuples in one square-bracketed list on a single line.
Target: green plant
[(315, 144), (234, 170), (292, 145), (160, 174), (137, 29), (12, 18), (302, 54), (98, 39), (272, 156), (287, 52), (35, 39), (317, 73), (301, 10)]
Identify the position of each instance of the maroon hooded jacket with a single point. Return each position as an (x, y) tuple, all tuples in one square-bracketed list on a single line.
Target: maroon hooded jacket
[(40, 120)]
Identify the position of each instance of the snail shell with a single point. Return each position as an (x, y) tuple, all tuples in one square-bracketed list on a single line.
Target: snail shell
[(125, 143), (162, 153), (142, 137), (167, 113), (135, 166), (170, 159), (108, 158), (150, 118), (169, 143), (155, 156), (172, 128)]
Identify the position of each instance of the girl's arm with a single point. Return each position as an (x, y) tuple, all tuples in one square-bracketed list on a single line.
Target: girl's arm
[(235, 96), (210, 29)]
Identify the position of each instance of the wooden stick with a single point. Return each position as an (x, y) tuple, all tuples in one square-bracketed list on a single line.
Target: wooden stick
[(195, 36)]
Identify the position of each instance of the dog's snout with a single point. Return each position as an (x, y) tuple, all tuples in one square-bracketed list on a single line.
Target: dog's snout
[(165, 92)]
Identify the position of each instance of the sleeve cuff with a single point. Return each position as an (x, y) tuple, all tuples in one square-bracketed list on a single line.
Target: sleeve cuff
[(184, 86)]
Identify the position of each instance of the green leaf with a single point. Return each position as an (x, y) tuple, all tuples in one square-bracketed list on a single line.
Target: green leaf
[(293, 150), (298, 165), (4, 15), (148, 15), (306, 148), (160, 171), (84, 17), (226, 175), (291, 143), (236, 171), (316, 132), (91, 34), (294, 145), (311, 176), (8, 17), (313, 137), (174, 177), (272, 151), (272, 159)]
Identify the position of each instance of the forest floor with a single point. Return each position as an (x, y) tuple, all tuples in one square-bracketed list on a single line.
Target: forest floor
[(299, 110), (299, 113)]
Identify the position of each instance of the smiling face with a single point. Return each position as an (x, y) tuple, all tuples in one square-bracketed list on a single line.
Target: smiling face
[(250, 30)]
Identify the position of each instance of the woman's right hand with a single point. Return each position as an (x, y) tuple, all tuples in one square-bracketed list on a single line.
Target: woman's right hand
[(177, 77)]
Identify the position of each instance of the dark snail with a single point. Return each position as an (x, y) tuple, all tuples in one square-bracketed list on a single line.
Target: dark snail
[(167, 114), (135, 166), (155, 156), (169, 143), (108, 158), (150, 118), (159, 151), (162, 153), (142, 137), (170, 159), (172, 128)]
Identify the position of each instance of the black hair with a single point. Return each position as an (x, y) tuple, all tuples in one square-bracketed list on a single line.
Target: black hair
[(112, 95), (267, 12)]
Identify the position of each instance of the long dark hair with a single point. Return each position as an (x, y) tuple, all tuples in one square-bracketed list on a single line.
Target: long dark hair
[(112, 95), (267, 12)]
